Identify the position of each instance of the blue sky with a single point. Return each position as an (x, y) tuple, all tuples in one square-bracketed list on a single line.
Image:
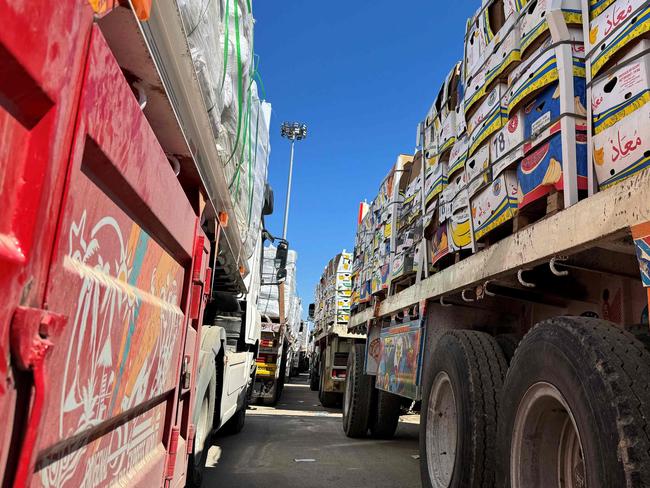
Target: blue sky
[(361, 74)]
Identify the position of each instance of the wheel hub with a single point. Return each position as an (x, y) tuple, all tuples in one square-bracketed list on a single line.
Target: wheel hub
[(546, 451), (441, 432)]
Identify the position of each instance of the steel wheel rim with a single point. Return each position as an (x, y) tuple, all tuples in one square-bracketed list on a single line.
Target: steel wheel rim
[(201, 432), (546, 451), (441, 431)]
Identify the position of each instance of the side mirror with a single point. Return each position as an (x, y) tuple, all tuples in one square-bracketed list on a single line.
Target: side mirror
[(312, 311), (281, 254), (267, 208)]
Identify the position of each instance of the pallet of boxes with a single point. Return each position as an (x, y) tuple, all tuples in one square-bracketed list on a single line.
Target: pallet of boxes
[(517, 103), (332, 341), (375, 240), (277, 332)]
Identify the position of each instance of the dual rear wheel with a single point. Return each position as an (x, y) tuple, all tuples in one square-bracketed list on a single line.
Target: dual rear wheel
[(364, 407), (572, 411)]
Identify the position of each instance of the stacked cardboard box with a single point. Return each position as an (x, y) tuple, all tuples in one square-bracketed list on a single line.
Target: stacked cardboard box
[(618, 61), (375, 238), (506, 136), (406, 245), (333, 294), (524, 106)]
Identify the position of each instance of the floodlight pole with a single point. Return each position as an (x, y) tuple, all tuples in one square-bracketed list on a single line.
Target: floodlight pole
[(286, 206)]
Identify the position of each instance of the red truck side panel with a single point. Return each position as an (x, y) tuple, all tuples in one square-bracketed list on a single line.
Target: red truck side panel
[(43, 50), (122, 261)]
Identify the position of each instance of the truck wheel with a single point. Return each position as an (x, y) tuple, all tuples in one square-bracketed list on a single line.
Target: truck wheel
[(575, 408), (199, 454), (458, 420), (236, 423), (508, 344), (314, 380), (358, 392), (385, 416), (329, 399)]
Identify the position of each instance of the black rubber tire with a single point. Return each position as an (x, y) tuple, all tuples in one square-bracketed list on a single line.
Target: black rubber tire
[(194, 472), (358, 393), (329, 399), (475, 365), (602, 372), (236, 423), (385, 415), (314, 381), (508, 344), (641, 332)]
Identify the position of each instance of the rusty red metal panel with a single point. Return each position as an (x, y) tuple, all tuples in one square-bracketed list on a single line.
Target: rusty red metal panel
[(42, 53), (122, 261)]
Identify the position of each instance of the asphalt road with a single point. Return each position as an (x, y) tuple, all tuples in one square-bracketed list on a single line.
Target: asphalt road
[(300, 444)]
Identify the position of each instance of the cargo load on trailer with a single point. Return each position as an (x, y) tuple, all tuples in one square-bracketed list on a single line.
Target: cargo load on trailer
[(511, 248), (332, 341), (280, 311)]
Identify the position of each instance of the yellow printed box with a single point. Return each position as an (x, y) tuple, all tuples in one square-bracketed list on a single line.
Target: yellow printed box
[(615, 28), (495, 205), (506, 146), (476, 42), (534, 20), (622, 149), (435, 181), (477, 163), (489, 118), (541, 71), (506, 54), (458, 155), (621, 91), (458, 225), (475, 88)]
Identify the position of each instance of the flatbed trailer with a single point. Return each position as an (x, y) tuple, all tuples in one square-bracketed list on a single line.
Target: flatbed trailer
[(526, 355), (567, 293)]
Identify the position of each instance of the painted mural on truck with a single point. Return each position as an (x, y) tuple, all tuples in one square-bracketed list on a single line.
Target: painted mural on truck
[(399, 364), (125, 324)]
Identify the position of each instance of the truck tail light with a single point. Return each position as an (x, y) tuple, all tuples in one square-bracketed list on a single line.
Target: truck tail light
[(339, 374)]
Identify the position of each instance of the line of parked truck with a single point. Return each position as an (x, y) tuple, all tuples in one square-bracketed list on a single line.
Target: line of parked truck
[(499, 281)]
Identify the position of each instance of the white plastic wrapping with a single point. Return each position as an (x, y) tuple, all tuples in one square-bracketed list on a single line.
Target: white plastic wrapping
[(220, 37), (268, 303)]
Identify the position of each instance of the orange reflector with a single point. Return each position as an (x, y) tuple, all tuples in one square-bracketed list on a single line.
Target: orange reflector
[(223, 219)]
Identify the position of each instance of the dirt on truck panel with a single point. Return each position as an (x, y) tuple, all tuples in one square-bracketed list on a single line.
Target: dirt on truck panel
[(299, 443)]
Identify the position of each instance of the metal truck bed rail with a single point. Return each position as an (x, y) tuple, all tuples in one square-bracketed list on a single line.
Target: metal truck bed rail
[(156, 51), (607, 214)]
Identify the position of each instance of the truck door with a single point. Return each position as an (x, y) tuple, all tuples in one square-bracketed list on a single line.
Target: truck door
[(120, 277)]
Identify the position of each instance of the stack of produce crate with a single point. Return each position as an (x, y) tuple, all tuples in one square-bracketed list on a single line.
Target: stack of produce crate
[(334, 293), (510, 138), (406, 247)]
